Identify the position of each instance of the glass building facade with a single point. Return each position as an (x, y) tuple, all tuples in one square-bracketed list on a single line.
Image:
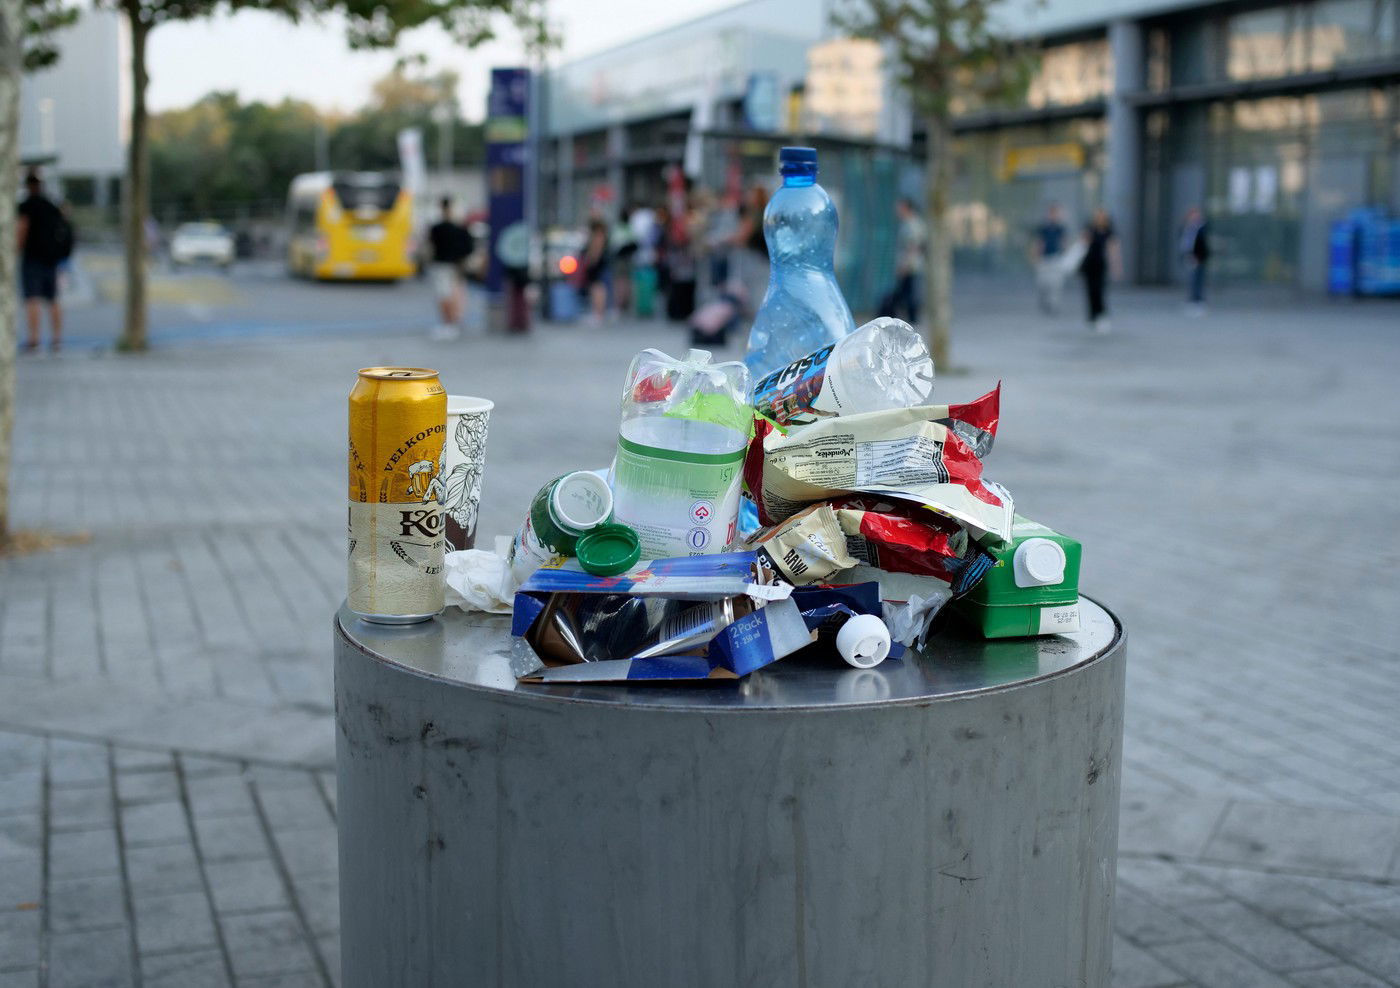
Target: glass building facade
[(1275, 119)]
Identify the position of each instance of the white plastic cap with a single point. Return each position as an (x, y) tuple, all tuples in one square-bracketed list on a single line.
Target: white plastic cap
[(863, 641), (580, 501), (1039, 563)]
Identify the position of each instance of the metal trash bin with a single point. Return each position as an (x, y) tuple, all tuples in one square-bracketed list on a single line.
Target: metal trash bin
[(945, 820)]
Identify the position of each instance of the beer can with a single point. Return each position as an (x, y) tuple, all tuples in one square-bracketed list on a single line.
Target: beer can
[(398, 424)]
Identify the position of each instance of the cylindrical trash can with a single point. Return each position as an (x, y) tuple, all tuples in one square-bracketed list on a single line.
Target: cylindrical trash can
[(947, 819)]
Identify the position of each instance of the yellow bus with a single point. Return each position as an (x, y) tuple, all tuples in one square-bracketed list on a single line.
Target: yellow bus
[(348, 226)]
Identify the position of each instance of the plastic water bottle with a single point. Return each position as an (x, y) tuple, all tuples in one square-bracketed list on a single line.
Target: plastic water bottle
[(680, 453), (803, 308), (884, 364)]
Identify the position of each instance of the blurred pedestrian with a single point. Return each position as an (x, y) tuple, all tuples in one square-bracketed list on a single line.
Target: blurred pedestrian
[(902, 300), (1195, 251), (663, 261), (1100, 262), (1048, 252), (451, 246), (683, 261), (45, 240), (645, 233), (596, 270), (714, 227), (749, 249), (624, 250)]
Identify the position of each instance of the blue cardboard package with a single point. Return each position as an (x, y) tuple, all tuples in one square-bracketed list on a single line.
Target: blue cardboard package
[(571, 626)]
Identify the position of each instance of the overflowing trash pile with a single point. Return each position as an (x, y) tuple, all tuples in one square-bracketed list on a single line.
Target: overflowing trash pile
[(812, 498)]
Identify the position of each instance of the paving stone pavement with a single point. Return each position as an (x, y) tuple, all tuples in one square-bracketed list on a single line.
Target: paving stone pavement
[(166, 806)]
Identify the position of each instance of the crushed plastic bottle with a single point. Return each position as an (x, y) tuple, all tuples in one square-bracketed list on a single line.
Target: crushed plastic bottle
[(884, 364), (803, 309), (680, 451)]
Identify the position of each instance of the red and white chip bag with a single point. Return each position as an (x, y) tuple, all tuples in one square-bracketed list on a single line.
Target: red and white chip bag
[(929, 455)]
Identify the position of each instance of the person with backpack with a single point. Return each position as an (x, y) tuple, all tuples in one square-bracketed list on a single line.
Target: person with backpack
[(45, 241)]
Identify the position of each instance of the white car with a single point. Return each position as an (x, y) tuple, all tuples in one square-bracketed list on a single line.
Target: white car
[(195, 242)]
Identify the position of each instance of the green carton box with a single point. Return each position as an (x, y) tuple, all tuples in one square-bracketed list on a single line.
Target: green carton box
[(1032, 589)]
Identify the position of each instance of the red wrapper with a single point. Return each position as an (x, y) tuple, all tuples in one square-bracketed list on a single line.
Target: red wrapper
[(901, 538)]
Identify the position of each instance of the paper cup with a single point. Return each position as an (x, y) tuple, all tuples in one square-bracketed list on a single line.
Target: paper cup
[(463, 460)]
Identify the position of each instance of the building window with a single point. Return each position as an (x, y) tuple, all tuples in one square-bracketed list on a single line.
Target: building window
[(1265, 43), (1068, 75), (1347, 31), (1159, 59)]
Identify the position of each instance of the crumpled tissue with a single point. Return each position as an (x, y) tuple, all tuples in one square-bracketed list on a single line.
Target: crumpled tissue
[(909, 621), (478, 580)]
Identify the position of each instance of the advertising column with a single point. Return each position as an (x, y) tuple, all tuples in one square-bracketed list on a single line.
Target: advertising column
[(506, 130)]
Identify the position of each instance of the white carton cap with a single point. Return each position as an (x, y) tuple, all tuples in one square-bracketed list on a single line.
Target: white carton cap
[(1039, 563), (863, 641)]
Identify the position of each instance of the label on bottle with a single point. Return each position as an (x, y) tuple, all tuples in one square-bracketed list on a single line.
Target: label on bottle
[(679, 504), (801, 392)]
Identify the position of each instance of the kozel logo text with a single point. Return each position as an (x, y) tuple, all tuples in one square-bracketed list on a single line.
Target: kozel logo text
[(423, 521)]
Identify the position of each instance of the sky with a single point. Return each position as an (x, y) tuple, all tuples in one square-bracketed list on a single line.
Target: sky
[(311, 61)]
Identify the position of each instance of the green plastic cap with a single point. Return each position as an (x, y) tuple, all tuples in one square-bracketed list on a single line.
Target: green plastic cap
[(609, 550)]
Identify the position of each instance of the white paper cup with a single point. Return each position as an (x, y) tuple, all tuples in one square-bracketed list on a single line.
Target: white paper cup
[(463, 462)]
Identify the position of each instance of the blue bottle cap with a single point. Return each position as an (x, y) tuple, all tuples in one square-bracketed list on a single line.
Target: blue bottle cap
[(798, 166)]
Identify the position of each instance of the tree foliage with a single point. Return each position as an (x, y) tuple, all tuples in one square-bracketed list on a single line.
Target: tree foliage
[(42, 18), (379, 23), (949, 55), (220, 153)]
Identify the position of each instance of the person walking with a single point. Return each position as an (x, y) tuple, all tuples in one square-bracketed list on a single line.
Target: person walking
[(902, 301), (749, 257), (1048, 255), (596, 270), (1100, 261), (45, 240), (451, 246), (645, 235), (1195, 250)]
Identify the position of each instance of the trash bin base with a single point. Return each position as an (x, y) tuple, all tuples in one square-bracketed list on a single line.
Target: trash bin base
[(491, 837)]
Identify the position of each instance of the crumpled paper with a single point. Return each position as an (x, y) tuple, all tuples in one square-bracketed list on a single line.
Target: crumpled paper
[(909, 621), (479, 580)]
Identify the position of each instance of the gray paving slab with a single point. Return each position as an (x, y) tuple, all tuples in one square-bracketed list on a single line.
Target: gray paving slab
[(81, 808), (163, 868), (19, 936), (21, 881), (1306, 839), (1161, 823), (268, 943), (1362, 945), (91, 903), (1341, 976), (245, 886), (173, 921), (82, 853), (1209, 962), (1261, 763), (190, 969), (91, 959)]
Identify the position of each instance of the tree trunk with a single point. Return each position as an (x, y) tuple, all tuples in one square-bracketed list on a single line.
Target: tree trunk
[(11, 58), (137, 193), (938, 263)]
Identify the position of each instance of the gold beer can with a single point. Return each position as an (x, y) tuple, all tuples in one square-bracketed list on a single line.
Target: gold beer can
[(398, 425)]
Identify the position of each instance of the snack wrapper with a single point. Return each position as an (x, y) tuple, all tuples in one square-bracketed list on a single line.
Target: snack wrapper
[(807, 548), (928, 455)]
